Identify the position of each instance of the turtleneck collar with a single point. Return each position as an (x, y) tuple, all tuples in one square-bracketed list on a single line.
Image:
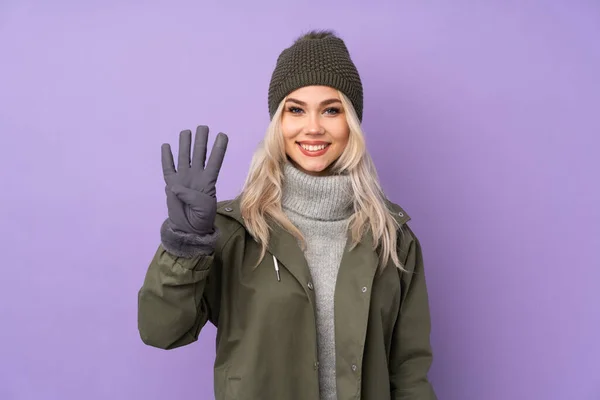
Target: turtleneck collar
[(326, 198)]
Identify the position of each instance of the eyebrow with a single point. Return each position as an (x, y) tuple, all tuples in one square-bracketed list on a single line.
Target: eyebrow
[(323, 103)]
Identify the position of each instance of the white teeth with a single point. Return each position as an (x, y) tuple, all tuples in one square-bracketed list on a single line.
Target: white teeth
[(310, 147)]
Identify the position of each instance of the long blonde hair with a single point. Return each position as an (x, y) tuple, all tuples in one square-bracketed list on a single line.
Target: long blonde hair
[(262, 191)]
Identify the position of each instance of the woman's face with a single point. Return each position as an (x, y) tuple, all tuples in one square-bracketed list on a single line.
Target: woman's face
[(314, 127)]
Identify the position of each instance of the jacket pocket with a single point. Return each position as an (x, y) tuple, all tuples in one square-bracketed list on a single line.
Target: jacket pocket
[(227, 385)]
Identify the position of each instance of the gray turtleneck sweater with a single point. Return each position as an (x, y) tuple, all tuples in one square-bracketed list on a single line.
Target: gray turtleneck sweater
[(321, 207)]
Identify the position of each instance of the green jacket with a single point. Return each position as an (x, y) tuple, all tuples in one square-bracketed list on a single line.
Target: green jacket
[(266, 329)]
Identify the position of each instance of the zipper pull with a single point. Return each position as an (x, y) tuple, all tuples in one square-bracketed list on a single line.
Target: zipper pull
[(276, 265)]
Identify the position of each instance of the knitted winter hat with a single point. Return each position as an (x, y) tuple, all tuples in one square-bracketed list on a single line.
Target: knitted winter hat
[(316, 58)]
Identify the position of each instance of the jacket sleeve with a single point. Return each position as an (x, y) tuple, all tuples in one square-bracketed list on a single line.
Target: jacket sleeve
[(411, 353), (180, 292)]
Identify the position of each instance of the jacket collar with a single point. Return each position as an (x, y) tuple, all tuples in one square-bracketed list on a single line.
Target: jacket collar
[(231, 209), (284, 246)]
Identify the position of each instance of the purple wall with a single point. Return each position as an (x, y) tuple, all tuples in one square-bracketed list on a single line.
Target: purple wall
[(483, 120)]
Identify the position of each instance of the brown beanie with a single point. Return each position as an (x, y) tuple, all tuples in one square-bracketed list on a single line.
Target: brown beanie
[(316, 58)]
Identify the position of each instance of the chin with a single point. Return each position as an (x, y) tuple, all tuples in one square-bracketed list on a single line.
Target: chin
[(313, 168)]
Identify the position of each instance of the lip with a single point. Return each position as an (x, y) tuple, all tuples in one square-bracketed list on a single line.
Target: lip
[(314, 153), (313, 142)]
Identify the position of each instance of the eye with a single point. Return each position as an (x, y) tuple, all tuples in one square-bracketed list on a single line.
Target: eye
[(332, 111), (294, 110)]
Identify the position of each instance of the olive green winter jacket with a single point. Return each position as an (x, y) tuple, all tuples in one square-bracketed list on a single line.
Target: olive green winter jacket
[(266, 329)]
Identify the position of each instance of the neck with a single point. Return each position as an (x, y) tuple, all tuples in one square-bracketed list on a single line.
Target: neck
[(327, 198)]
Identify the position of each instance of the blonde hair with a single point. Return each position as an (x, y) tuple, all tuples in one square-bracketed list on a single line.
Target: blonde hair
[(262, 191)]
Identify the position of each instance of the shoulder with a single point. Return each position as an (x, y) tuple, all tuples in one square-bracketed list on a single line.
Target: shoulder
[(397, 212), (229, 220), (229, 208), (406, 238)]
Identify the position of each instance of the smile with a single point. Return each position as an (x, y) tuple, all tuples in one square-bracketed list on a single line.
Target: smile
[(310, 147), (313, 150)]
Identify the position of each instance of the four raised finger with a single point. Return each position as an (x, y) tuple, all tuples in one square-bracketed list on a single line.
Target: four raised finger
[(199, 156), (168, 166), (213, 166), (185, 143)]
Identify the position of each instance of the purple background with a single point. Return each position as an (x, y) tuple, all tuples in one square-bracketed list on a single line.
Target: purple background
[(482, 117)]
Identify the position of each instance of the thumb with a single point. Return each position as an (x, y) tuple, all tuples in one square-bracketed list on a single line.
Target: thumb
[(188, 196)]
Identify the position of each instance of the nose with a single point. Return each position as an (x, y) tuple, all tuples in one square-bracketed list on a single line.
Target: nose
[(314, 126)]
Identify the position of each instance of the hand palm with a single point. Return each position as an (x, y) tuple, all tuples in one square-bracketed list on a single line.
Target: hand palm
[(191, 189)]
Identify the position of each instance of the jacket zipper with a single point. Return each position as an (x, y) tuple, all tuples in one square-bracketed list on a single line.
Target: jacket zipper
[(276, 265)]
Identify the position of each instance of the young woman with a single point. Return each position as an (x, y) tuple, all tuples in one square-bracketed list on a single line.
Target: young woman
[(312, 277)]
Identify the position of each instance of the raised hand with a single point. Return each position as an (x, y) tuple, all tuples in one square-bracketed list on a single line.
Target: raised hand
[(191, 189)]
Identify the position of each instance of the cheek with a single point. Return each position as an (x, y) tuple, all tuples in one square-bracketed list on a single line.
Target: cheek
[(288, 136), (288, 129), (340, 132), (345, 136)]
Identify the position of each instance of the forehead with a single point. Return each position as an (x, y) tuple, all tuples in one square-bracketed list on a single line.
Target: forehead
[(314, 93)]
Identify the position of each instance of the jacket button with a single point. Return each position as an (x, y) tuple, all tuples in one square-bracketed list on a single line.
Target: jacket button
[(228, 209), (400, 213), (310, 286), (354, 367), (316, 365), (364, 289)]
